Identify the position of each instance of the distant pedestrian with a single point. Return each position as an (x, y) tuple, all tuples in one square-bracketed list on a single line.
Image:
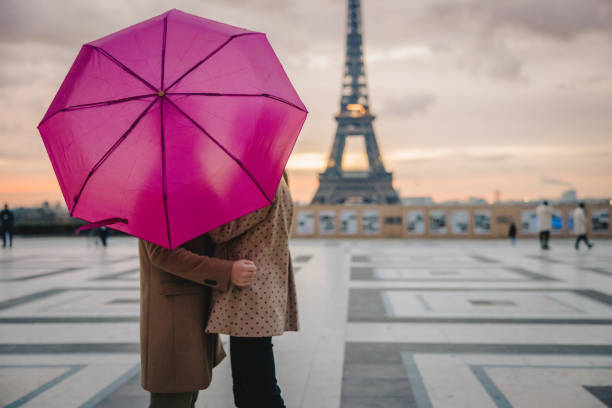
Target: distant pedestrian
[(580, 226), (103, 234), (512, 233), (8, 219), (544, 213)]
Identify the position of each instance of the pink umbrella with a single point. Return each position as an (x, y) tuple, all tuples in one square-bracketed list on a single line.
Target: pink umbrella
[(172, 127)]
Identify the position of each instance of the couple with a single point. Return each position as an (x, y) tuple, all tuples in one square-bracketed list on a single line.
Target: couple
[(235, 280)]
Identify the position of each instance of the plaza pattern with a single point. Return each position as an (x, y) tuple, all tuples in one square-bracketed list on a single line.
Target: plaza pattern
[(385, 323)]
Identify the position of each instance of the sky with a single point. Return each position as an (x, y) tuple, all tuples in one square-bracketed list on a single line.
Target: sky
[(471, 96)]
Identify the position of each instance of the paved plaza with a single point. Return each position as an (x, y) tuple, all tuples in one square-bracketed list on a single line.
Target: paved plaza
[(385, 323)]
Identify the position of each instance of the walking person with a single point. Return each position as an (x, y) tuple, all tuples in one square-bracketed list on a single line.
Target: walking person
[(252, 315), (103, 234), (512, 233), (8, 219), (544, 214), (177, 356), (580, 227)]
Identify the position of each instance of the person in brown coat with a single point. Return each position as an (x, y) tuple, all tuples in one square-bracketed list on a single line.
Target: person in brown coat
[(177, 356), (268, 307)]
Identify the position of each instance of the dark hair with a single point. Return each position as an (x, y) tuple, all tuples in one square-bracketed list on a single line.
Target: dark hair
[(581, 205), (545, 202)]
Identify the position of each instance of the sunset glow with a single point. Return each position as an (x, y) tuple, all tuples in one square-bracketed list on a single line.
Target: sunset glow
[(468, 99)]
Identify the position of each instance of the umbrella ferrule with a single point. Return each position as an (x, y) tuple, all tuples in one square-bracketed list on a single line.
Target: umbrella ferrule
[(161, 93)]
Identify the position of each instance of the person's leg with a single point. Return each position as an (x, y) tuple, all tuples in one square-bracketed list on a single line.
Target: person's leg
[(546, 238), (194, 398), (577, 243), (270, 392), (240, 360), (540, 238), (10, 234), (254, 373), (173, 400), (4, 232), (586, 241)]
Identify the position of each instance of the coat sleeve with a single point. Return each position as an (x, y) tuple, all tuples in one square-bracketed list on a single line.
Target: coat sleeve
[(239, 226), (188, 265)]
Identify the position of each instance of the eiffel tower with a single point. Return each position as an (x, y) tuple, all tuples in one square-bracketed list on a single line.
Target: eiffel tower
[(336, 185)]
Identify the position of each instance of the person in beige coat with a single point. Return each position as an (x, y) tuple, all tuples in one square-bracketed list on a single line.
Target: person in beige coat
[(177, 356), (268, 307), (544, 214), (580, 227)]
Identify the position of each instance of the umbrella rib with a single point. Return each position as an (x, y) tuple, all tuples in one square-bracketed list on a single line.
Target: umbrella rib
[(163, 136), (263, 95), (121, 65), (246, 171), (96, 104), (209, 56), (163, 153), (163, 61), (108, 153)]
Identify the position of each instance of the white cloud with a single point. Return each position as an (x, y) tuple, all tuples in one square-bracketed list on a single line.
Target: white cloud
[(491, 83), (398, 53)]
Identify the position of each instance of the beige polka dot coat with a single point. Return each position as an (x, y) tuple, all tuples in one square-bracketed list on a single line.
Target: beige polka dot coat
[(269, 306)]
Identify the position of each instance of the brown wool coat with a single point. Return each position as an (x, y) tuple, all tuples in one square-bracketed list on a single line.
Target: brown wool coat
[(176, 354), (268, 307)]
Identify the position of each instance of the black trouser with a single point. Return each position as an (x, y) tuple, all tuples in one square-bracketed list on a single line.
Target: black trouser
[(582, 237), (254, 373), (174, 400), (544, 237), (103, 236), (7, 234)]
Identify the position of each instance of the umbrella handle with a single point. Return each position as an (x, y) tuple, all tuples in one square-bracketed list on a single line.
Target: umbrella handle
[(99, 224)]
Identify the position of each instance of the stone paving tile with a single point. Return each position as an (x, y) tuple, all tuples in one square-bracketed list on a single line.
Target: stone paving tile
[(130, 394), (381, 401), (604, 394), (70, 283), (374, 370)]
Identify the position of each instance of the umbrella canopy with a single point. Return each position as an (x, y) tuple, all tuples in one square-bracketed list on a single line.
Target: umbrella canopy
[(172, 127)]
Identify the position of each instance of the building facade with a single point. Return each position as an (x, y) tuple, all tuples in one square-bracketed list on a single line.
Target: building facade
[(399, 221)]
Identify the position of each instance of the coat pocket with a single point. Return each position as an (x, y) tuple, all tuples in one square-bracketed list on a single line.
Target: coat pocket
[(173, 288)]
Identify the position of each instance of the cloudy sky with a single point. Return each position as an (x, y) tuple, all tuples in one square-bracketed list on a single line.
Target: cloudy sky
[(471, 96)]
